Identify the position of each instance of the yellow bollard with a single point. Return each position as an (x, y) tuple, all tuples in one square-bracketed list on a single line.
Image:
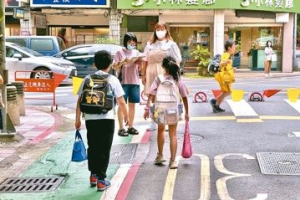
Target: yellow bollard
[(237, 95), (293, 94), (76, 84)]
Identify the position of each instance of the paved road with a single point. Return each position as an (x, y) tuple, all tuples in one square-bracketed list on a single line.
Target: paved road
[(233, 152)]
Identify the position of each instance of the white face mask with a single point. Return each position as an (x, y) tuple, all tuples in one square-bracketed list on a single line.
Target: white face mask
[(161, 34)]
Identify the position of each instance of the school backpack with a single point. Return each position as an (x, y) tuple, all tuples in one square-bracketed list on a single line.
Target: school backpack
[(214, 65), (166, 102), (97, 96)]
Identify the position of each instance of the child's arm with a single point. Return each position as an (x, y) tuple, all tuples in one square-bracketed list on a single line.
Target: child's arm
[(147, 108), (78, 113), (186, 108)]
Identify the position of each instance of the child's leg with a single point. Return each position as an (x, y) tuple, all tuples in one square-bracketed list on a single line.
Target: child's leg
[(221, 97), (160, 139), (173, 140)]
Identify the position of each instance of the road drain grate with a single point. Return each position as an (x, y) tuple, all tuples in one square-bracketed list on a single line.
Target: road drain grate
[(34, 184), (122, 153), (279, 163)]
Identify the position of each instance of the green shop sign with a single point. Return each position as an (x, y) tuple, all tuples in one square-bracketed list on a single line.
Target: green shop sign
[(290, 6)]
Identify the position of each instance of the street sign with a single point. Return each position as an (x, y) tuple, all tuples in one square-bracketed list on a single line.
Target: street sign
[(70, 3)]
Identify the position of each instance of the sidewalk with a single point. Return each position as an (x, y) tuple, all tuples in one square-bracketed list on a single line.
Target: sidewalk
[(44, 152), (34, 127)]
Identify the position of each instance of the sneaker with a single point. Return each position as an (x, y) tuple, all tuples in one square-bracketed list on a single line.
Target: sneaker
[(103, 185), (159, 160), (217, 109), (270, 75), (153, 126), (266, 75), (93, 180), (173, 164), (213, 102)]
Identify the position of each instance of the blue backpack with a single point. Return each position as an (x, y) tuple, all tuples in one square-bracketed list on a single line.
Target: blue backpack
[(214, 65)]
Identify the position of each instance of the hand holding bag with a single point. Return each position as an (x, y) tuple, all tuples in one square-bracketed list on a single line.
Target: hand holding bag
[(79, 152), (187, 146)]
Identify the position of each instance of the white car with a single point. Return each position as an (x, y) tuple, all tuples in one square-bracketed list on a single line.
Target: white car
[(19, 58)]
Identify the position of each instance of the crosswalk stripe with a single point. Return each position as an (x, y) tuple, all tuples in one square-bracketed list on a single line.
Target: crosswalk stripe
[(242, 109), (295, 105)]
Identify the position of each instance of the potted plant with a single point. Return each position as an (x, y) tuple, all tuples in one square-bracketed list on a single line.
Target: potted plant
[(201, 54)]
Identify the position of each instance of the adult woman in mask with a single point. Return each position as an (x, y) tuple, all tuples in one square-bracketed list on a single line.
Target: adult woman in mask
[(161, 44), (127, 62)]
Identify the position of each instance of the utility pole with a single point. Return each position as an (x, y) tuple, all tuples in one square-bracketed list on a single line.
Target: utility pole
[(2, 64)]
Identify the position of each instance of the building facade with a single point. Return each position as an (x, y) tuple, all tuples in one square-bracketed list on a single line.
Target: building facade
[(208, 23)]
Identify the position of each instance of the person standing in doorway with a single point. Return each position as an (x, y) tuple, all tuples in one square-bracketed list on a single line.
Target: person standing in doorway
[(62, 34), (127, 63), (224, 82), (161, 44), (268, 58)]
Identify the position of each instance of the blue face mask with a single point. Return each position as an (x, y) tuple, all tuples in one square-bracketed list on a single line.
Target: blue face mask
[(130, 47)]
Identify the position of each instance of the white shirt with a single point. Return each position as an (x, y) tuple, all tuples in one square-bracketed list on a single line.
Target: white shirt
[(169, 46)]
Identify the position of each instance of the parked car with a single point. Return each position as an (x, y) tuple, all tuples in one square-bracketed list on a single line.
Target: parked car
[(46, 45), (19, 58), (83, 56)]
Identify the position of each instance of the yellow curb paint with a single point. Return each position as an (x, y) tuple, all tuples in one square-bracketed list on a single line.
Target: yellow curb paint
[(248, 120), (280, 117), (170, 183)]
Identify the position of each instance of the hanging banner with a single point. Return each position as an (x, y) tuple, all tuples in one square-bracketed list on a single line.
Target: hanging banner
[(287, 6), (71, 3)]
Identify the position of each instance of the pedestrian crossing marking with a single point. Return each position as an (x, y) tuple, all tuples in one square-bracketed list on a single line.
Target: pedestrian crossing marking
[(295, 105), (241, 108)]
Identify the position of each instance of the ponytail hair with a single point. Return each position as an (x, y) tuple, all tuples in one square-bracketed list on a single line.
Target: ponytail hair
[(169, 63)]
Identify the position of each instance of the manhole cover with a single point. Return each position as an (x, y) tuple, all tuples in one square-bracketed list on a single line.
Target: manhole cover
[(279, 163), (122, 153), (40, 184), (193, 138)]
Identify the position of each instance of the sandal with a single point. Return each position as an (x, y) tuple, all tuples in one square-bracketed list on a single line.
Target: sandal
[(122, 132), (132, 131)]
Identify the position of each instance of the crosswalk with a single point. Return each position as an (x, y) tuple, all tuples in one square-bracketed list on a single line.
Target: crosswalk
[(241, 111)]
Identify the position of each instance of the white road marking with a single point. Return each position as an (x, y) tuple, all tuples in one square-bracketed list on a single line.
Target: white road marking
[(116, 182), (242, 109), (295, 105)]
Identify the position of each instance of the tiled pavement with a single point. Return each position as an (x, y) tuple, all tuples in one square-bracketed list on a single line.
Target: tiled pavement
[(34, 126)]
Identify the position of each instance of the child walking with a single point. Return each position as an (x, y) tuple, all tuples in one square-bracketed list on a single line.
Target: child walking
[(100, 127), (225, 65), (171, 72)]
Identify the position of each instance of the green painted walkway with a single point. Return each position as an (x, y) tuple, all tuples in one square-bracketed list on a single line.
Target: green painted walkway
[(57, 161)]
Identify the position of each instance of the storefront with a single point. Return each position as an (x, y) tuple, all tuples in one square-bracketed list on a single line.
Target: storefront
[(211, 22)]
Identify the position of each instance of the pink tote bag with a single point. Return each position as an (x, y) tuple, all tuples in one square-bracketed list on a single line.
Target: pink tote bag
[(186, 147)]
